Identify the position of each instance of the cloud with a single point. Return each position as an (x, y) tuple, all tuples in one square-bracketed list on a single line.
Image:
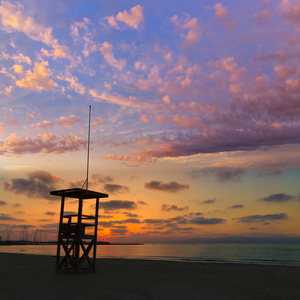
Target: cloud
[(50, 213), (42, 125), (115, 188), (130, 215), (117, 204), (129, 158), (119, 231), (190, 25), (12, 16), (284, 71), (223, 15), (73, 83), (68, 121), (62, 121), (222, 174), (56, 53), (37, 185), (173, 186), (38, 80), (124, 102), (7, 217), (101, 178), (142, 202), (290, 10), (237, 206), (262, 218), (98, 121), (167, 207), (207, 221), (280, 197), (83, 37), (133, 19), (106, 49), (3, 202), (209, 201), (19, 58), (262, 17), (46, 143), (154, 221)]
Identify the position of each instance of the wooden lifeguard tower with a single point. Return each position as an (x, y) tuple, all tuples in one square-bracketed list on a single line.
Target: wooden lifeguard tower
[(74, 242), (73, 239)]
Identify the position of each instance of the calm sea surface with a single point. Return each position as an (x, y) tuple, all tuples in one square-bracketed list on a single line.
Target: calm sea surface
[(269, 254)]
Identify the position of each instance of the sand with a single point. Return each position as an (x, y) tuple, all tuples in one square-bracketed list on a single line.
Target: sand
[(24, 276)]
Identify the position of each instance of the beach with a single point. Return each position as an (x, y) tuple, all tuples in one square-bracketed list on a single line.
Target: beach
[(25, 276)]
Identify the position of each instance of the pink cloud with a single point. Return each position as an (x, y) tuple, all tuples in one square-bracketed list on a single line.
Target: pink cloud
[(279, 56), (290, 9), (262, 17), (44, 143), (284, 71), (223, 15), (106, 49), (11, 121), (133, 19), (190, 25), (83, 36)]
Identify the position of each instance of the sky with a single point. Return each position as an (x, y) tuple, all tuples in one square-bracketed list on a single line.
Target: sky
[(195, 111)]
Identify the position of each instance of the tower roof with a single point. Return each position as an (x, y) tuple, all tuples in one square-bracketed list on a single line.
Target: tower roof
[(78, 193)]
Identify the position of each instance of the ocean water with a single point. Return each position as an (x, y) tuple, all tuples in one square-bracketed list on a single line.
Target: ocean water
[(263, 254)]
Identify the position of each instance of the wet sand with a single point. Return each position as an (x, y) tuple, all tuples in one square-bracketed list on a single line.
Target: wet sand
[(25, 276)]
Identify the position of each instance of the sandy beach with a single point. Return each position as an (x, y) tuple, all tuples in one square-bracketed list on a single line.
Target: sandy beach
[(25, 276)]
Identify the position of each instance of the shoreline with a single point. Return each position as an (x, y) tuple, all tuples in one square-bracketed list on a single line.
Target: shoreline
[(30, 276)]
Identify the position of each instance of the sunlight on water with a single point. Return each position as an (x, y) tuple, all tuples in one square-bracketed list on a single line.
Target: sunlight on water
[(268, 254)]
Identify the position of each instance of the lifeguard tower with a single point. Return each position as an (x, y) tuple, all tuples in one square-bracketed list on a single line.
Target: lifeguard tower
[(75, 244)]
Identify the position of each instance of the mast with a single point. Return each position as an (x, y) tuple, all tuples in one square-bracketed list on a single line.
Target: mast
[(86, 183)]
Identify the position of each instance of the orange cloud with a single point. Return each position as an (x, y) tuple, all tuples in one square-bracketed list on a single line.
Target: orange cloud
[(56, 53), (18, 69), (38, 79), (39, 126), (130, 158), (117, 99), (13, 17), (69, 121), (2, 127), (98, 121)]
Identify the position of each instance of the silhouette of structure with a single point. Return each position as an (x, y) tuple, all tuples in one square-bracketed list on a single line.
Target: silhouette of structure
[(75, 244)]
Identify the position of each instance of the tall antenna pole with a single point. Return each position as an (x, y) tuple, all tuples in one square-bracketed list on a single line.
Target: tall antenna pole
[(86, 183), (88, 154)]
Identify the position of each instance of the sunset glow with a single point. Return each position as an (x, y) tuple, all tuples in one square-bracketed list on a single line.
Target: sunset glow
[(195, 125)]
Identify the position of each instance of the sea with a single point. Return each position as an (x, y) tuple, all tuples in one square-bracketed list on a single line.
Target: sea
[(258, 254)]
